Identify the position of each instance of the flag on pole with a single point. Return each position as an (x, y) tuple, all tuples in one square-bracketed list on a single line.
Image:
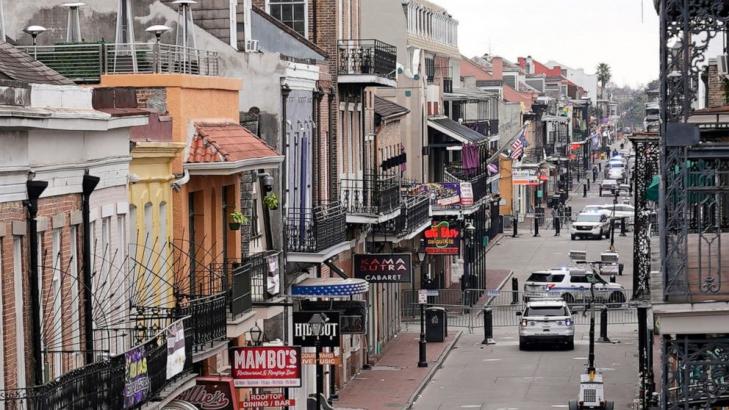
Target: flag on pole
[(517, 147)]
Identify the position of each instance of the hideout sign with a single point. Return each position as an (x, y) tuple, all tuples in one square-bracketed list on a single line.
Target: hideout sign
[(384, 268)]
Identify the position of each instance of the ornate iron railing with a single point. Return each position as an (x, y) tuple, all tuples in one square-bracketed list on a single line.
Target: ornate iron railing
[(373, 57), (697, 372), (315, 229), (86, 62), (415, 211), (241, 295), (477, 177), (207, 319), (371, 195)]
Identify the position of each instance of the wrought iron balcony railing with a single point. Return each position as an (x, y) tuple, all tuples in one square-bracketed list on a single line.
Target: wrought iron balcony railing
[(476, 176), (316, 229), (367, 57), (415, 211), (207, 317), (86, 62), (260, 272), (371, 195)]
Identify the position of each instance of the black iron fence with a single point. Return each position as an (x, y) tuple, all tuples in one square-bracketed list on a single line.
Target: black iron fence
[(100, 385), (313, 230), (414, 213), (476, 176), (371, 195), (374, 57), (207, 319), (241, 299)]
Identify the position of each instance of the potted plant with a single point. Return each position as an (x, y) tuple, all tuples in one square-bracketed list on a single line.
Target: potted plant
[(236, 220), (271, 201)]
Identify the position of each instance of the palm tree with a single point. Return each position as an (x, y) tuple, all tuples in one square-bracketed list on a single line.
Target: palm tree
[(603, 76)]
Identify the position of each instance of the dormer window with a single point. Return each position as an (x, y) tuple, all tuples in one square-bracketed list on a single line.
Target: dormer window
[(290, 12)]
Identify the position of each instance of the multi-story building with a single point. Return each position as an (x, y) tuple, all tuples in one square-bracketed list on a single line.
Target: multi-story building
[(65, 212)]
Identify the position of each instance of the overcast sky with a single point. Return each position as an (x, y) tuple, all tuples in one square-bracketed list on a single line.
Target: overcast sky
[(577, 33)]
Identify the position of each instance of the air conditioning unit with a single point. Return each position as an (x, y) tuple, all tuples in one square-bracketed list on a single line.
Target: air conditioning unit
[(252, 46), (721, 65)]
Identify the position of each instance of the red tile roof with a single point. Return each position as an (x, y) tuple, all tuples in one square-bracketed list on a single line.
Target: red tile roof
[(226, 142)]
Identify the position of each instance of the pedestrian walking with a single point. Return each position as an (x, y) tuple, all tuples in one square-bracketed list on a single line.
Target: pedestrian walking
[(594, 173), (556, 221)]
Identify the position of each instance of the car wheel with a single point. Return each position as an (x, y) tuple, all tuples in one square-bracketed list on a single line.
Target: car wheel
[(571, 344), (573, 237), (616, 299), (568, 298), (609, 405), (572, 405), (522, 344)]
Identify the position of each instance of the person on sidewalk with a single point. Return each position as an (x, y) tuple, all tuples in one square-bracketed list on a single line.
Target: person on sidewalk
[(594, 173)]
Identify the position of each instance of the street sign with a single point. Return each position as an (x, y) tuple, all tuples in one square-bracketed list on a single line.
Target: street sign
[(423, 296), (268, 400)]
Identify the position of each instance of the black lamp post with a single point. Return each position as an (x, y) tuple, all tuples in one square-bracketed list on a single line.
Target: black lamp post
[(317, 323), (422, 359), (612, 220), (470, 231), (256, 335)]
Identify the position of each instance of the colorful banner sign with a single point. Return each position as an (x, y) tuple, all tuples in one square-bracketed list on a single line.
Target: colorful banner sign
[(266, 366), (527, 177), (268, 400), (175, 349), (211, 393), (384, 268), (304, 334), (136, 378), (466, 194), (442, 239), (325, 358)]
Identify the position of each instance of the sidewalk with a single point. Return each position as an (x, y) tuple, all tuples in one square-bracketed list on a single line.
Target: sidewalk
[(395, 379)]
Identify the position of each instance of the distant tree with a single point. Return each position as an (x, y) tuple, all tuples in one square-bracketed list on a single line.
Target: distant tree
[(603, 76)]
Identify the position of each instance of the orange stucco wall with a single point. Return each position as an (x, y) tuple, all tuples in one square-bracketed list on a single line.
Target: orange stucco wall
[(506, 188), (190, 99)]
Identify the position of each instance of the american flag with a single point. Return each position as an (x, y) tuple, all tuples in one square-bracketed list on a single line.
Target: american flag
[(517, 148)]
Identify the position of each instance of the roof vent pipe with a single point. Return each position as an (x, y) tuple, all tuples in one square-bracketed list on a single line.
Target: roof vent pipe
[(73, 27), (124, 40)]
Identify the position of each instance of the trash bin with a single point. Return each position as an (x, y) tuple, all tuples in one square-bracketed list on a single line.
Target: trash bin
[(435, 324)]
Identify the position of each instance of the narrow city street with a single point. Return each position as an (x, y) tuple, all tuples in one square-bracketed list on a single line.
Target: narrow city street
[(500, 376)]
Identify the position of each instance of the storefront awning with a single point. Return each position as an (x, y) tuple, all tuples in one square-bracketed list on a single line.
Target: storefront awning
[(329, 288), (458, 132)]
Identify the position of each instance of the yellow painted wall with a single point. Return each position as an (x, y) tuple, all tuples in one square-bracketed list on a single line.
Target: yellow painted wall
[(151, 168)]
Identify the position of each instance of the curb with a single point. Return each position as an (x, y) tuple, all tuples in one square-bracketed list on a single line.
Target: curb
[(432, 370)]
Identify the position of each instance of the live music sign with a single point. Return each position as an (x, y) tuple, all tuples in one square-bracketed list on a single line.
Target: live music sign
[(442, 239)]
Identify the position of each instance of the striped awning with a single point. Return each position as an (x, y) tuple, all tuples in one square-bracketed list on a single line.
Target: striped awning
[(329, 288)]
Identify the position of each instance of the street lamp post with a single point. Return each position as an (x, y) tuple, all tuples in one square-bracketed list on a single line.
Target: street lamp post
[(422, 359), (317, 323), (612, 220), (34, 31)]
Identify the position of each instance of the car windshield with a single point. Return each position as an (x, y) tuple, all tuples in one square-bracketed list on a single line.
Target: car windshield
[(546, 311), (545, 277), (588, 218)]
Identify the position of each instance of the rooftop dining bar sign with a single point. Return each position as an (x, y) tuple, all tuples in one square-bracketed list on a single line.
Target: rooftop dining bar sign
[(266, 366), (442, 239), (384, 268)]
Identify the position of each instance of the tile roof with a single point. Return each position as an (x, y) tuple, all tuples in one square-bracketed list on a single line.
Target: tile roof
[(389, 109), (226, 142), (18, 66)]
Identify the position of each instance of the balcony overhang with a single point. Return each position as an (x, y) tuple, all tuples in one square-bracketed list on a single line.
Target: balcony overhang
[(366, 80), (368, 219), (214, 349), (319, 257), (465, 210), (235, 167), (171, 391), (399, 238), (691, 318)]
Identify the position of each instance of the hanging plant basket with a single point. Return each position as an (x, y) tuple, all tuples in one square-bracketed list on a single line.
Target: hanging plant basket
[(236, 220), (234, 226), (271, 201)]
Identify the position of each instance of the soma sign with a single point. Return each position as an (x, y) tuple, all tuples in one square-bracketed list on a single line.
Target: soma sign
[(442, 239), (384, 268)]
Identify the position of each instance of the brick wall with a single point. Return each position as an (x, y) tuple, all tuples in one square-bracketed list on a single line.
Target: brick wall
[(716, 88)]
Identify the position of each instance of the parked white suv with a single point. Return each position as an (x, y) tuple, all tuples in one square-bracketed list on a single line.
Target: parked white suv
[(546, 321), (594, 224), (572, 284)]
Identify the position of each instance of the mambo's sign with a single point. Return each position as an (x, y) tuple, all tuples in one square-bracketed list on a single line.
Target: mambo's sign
[(384, 268), (304, 333), (442, 239), (266, 366)]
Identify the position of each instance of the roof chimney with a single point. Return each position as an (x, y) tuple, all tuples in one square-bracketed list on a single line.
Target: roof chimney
[(73, 27), (185, 27), (529, 65)]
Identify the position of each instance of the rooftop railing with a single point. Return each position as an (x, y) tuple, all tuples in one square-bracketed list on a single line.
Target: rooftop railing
[(87, 62)]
